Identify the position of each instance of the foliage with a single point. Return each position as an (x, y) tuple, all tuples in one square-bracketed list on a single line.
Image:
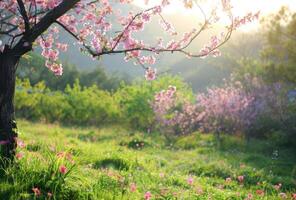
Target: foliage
[(277, 61), (78, 105), (30, 68), (279, 52), (92, 106), (135, 100)]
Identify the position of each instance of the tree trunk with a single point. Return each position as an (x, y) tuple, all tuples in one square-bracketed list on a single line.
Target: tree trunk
[(8, 133)]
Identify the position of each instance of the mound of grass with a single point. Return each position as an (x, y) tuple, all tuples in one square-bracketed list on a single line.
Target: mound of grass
[(112, 163)]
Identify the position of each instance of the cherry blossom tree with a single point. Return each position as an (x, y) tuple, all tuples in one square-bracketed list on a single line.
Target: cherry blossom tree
[(25, 24)]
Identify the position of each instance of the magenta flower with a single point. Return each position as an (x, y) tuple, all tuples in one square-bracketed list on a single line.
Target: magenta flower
[(240, 179), (190, 180), (133, 187), (150, 74), (148, 195), (63, 169)]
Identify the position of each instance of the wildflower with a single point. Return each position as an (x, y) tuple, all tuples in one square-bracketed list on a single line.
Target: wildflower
[(249, 196), (20, 143), (19, 155), (260, 192), (283, 195), (36, 191), (277, 186), (133, 187), (190, 180), (294, 196), (63, 169), (240, 179), (148, 195), (161, 175)]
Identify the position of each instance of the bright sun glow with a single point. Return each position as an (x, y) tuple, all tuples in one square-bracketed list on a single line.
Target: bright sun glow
[(240, 8)]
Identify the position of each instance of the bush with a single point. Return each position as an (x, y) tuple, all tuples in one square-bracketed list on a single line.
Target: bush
[(76, 105), (135, 100), (92, 106)]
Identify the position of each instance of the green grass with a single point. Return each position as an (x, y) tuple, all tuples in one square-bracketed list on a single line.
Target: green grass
[(103, 162)]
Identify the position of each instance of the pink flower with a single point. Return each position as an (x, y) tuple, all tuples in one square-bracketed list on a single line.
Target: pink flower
[(148, 195), (249, 196), (63, 169), (53, 54), (20, 143), (36, 191), (294, 196), (150, 74), (161, 175), (146, 17), (260, 192), (240, 179), (278, 186), (190, 180), (19, 155), (133, 187)]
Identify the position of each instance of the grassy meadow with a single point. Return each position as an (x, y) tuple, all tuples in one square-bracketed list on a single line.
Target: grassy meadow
[(112, 162)]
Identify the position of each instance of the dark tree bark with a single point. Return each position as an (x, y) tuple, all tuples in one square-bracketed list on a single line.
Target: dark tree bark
[(8, 64), (8, 134)]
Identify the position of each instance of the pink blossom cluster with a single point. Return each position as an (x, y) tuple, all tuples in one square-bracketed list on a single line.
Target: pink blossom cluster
[(173, 113), (211, 48), (150, 74), (250, 17), (51, 51), (163, 101), (226, 109), (90, 24), (233, 108)]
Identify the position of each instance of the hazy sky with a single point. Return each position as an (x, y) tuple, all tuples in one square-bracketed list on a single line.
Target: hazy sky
[(240, 7)]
